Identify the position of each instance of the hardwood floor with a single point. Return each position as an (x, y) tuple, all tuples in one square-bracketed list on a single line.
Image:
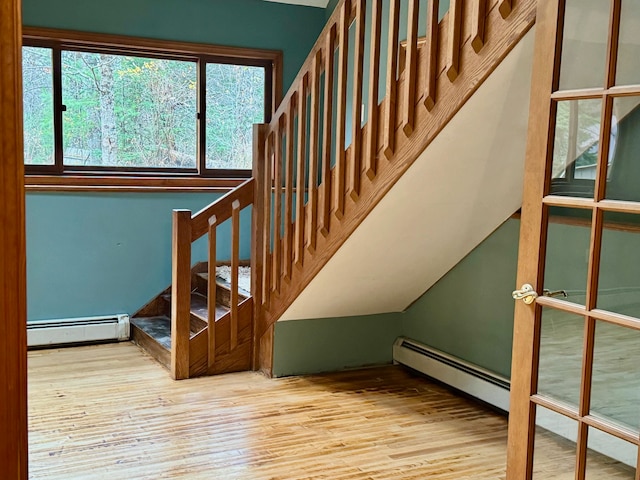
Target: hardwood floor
[(111, 412)]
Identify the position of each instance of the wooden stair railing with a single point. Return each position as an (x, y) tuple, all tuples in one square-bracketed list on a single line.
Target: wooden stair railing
[(196, 355), (312, 189)]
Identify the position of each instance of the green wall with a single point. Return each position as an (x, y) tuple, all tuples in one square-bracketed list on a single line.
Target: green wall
[(329, 344), (96, 254), (242, 23)]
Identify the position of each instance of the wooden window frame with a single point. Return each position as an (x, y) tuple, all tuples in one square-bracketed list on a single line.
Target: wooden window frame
[(79, 178)]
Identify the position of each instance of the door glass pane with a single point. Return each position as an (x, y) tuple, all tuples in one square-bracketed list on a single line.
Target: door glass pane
[(560, 366), (235, 101), (37, 97), (629, 47), (609, 457), (615, 390), (584, 44), (575, 147), (555, 446), (619, 280), (568, 239), (623, 174)]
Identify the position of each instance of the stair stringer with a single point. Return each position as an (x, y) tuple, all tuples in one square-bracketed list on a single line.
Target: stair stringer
[(465, 184)]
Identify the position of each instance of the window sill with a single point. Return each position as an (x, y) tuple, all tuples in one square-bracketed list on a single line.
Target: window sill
[(80, 183)]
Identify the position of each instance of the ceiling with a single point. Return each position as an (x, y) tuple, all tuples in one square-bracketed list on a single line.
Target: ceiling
[(308, 3)]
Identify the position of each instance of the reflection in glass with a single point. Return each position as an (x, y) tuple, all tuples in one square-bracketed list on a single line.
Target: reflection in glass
[(584, 44), (555, 446), (628, 70), (575, 147), (615, 390), (560, 367), (623, 173), (619, 279), (609, 457), (567, 259)]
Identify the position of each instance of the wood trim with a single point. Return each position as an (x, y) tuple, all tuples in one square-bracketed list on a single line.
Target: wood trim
[(454, 39), (221, 208), (388, 131), (410, 73), (432, 55), (327, 131), (312, 187), (479, 13), (211, 294), (341, 110), (258, 227), (181, 294), (85, 183), (532, 246), (13, 306), (151, 44), (355, 169), (298, 249), (371, 152)]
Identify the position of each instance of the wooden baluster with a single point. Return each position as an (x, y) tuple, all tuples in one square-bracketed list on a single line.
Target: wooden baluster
[(505, 7), (356, 123), (288, 195), (329, 49), (258, 226), (392, 85), (235, 265), (301, 171), (453, 46), (211, 293), (341, 117), (277, 214), (371, 154), (180, 294), (478, 20), (410, 74), (312, 222), (432, 55), (266, 238)]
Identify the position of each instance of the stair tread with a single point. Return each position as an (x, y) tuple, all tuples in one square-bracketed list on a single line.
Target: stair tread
[(158, 328), (199, 306), (223, 282)]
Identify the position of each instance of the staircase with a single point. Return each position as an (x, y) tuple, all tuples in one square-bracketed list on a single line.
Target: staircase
[(151, 326), (330, 154)]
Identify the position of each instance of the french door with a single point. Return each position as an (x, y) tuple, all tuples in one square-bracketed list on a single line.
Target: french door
[(575, 386)]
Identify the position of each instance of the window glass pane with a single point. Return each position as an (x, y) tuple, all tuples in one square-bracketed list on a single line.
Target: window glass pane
[(615, 390), (555, 446), (628, 69), (623, 172), (125, 111), (235, 101), (609, 457), (575, 147), (584, 44), (559, 371), (37, 79)]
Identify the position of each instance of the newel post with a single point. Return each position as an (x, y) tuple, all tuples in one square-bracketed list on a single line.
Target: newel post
[(180, 293), (257, 236)]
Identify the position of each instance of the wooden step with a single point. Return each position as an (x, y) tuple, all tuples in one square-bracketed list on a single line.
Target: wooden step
[(153, 335), (223, 289)]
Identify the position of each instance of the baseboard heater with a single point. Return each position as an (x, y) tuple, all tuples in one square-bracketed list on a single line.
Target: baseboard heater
[(72, 331), (494, 390), (464, 376)]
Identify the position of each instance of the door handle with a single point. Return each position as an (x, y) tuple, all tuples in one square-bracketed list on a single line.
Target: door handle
[(555, 293), (527, 294)]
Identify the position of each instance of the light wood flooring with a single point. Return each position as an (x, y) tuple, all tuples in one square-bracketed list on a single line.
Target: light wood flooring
[(111, 412)]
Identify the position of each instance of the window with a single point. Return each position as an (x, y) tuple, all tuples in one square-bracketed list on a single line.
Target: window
[(114, 107)]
